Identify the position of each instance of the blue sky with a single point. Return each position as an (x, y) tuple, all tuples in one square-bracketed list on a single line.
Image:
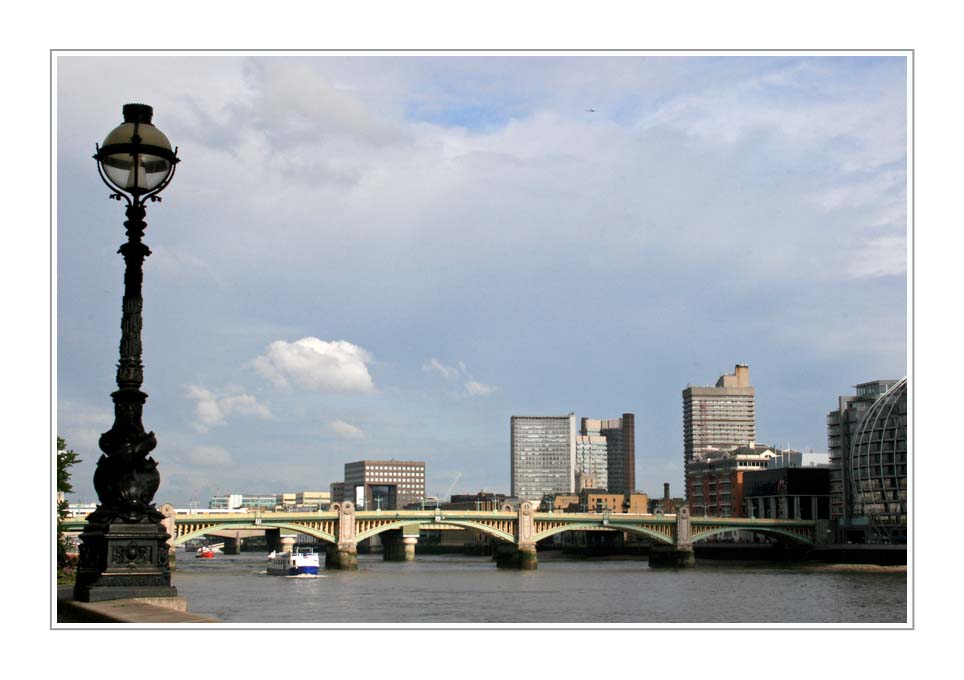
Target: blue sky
[(382, 256)]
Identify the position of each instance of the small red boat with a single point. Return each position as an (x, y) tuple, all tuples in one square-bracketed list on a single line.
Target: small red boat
[(205, 553)]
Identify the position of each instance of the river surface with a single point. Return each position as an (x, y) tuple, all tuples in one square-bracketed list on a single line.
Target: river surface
[(446, 589)]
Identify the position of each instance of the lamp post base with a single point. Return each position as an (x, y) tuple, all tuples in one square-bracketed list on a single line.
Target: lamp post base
[(123, 561)]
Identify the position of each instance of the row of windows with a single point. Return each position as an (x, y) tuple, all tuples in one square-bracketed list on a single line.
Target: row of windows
[(369, 468)]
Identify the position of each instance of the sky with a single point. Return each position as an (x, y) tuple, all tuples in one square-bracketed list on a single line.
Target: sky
[(374, 256)]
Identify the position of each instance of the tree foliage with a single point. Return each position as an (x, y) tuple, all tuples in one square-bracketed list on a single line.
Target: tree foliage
[(66, 458)]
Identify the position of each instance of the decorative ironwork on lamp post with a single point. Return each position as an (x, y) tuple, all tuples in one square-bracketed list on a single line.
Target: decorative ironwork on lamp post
[(124, 549)]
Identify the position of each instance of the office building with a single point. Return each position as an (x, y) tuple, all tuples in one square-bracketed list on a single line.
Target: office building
[(714, 482), (310, 501), (842, 426), (868, 450), (482, 501), (384, 484), (787, 492), (265, 502), (337, 491), (620, 437), (596, 500), (543, 455), (720, 417), (592, 462)]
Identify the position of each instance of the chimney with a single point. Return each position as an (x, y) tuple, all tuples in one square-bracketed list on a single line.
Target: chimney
[(666, 491)]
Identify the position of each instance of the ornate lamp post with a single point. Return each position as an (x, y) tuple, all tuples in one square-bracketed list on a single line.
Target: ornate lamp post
[(124, 546)]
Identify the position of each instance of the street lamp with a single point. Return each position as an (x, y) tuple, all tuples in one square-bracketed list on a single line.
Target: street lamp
[(124, 545)]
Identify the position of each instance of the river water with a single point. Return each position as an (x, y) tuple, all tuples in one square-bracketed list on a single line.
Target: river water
[(447, 589)]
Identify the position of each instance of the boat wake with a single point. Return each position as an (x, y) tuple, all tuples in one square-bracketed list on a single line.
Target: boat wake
[(306, 576)]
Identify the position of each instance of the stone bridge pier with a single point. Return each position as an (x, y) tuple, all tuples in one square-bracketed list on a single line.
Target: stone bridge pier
[(522, 554), (680, 554), (232, 546), (344, 554), (399, 545)]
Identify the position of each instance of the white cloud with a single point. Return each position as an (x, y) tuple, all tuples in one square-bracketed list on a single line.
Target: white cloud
[(212, 410), (344, 429), (317, 365), (477, 389), (473, 388), (447, 372)]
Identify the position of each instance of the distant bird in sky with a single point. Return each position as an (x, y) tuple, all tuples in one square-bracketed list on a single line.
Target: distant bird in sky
[(590, 110)]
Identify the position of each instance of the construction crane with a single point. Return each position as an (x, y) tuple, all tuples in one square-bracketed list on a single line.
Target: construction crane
[(451, 486)]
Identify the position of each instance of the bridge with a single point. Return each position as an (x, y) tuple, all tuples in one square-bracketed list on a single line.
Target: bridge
[(515, 532)]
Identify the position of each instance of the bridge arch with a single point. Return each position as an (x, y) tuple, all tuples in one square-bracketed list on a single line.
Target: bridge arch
[(308, 531), (317, 533), (464, 524), (773, 531), (584, 526), (181, 539)]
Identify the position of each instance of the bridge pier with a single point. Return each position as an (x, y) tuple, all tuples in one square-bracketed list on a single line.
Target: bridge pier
[(399, 545), (512, 556), (342, 556), (272, 539), (522, 553), (671, 556), (232, 546), (168, 523), (680, 554), (287, 543)]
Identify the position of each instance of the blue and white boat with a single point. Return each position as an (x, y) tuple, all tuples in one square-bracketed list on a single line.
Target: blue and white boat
[(300, 563)]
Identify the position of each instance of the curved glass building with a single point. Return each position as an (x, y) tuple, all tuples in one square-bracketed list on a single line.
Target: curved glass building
[(878, 466)]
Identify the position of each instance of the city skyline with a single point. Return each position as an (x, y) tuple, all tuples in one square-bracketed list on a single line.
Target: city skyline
[(385, 257)]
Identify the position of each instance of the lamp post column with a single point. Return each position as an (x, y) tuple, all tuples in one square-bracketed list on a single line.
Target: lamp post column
[(124, 545)]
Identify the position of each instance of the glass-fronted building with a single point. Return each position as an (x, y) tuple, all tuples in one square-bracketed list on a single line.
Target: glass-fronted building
[(878, 467), (543, 455), (867, 437), (620, 435), (235, 501), (592, 462)]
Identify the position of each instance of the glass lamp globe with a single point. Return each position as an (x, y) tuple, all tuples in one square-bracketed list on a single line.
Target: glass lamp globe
[(136, 157)]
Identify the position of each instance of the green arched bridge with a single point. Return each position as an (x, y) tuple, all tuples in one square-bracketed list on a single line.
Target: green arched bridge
[(515, 532)]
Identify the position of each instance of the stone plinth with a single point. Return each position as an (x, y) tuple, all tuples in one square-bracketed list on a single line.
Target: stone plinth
[(123, 561)]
